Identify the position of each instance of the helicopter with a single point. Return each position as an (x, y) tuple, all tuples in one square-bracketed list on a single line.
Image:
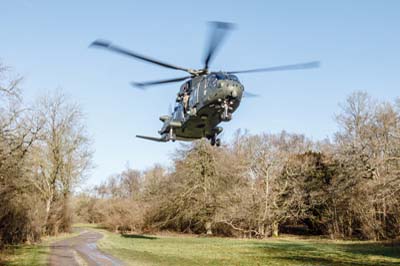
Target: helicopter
[(206, 98)]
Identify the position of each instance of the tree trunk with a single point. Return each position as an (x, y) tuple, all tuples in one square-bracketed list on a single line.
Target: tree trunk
[(275, 229), (49, 202), (261, 230), (208, 228)]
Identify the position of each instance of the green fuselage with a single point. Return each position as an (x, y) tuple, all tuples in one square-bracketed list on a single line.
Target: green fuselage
[(213, 99)]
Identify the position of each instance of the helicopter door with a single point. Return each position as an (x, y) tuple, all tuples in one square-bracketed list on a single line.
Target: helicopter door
[(194, 97)]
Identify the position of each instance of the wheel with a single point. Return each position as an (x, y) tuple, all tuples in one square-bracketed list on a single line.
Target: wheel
[(218, 142), (172, 135), (213, 141)]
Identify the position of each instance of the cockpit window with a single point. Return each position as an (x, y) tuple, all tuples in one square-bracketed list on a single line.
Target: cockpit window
[(212, 79), (220, 76), (232, 77)]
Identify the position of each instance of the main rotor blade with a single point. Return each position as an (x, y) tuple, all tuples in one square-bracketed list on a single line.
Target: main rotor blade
[(217, 35), (308, 65), (108, 45), (143, 85)]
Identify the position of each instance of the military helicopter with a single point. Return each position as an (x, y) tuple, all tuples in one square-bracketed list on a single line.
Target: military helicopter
[(206, 98)]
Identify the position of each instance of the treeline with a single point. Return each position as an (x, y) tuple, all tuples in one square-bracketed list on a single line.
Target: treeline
[(261, 185), (44, 153)]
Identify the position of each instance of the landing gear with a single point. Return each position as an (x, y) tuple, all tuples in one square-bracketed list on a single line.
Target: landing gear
[(212, 142), (218, 142), (215, 141), (226, 115), (172, 135)]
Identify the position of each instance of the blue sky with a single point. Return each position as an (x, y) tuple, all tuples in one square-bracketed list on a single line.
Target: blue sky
[(357, 42)]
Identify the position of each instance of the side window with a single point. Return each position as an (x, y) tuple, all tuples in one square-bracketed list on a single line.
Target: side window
[(193, 95), (212, 81)]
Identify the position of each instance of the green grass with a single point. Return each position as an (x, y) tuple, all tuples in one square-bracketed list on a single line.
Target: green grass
[(25, 255), (187, 250), (30, 255), (160, 250)]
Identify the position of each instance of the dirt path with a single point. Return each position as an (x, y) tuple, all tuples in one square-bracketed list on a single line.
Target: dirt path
[(80, 250)]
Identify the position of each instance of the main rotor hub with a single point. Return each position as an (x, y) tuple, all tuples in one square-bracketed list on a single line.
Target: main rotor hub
[(198, 72)]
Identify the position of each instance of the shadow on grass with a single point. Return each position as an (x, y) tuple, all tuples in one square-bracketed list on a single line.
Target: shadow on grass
[(139, 236), (309, 260), (345, 254), (374, 249)]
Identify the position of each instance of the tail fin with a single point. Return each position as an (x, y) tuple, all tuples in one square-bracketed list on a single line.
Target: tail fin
[(152, 138)]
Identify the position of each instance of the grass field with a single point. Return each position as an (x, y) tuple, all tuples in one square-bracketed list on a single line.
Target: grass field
[(25, 255), (161, 250), (30, 255), (191, 250)]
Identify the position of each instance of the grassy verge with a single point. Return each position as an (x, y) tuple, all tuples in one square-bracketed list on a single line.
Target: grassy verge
[(161, 250), (30, 255)]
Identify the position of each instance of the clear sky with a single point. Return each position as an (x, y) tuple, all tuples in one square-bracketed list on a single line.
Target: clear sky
[(358, 43)]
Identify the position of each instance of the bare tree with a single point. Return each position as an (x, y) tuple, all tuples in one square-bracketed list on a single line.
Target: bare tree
[(18, 132), (260, 184), (368, 148), (62, 157)]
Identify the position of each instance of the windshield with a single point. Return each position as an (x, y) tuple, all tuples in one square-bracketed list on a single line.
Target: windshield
[(213, 79), (232, 77), (220, 76)]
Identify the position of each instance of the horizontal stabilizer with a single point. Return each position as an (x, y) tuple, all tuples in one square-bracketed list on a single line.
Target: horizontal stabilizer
[(151, 138)]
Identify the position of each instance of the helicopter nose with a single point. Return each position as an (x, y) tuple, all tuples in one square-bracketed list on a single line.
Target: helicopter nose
[(235, 89), (231, 89)]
